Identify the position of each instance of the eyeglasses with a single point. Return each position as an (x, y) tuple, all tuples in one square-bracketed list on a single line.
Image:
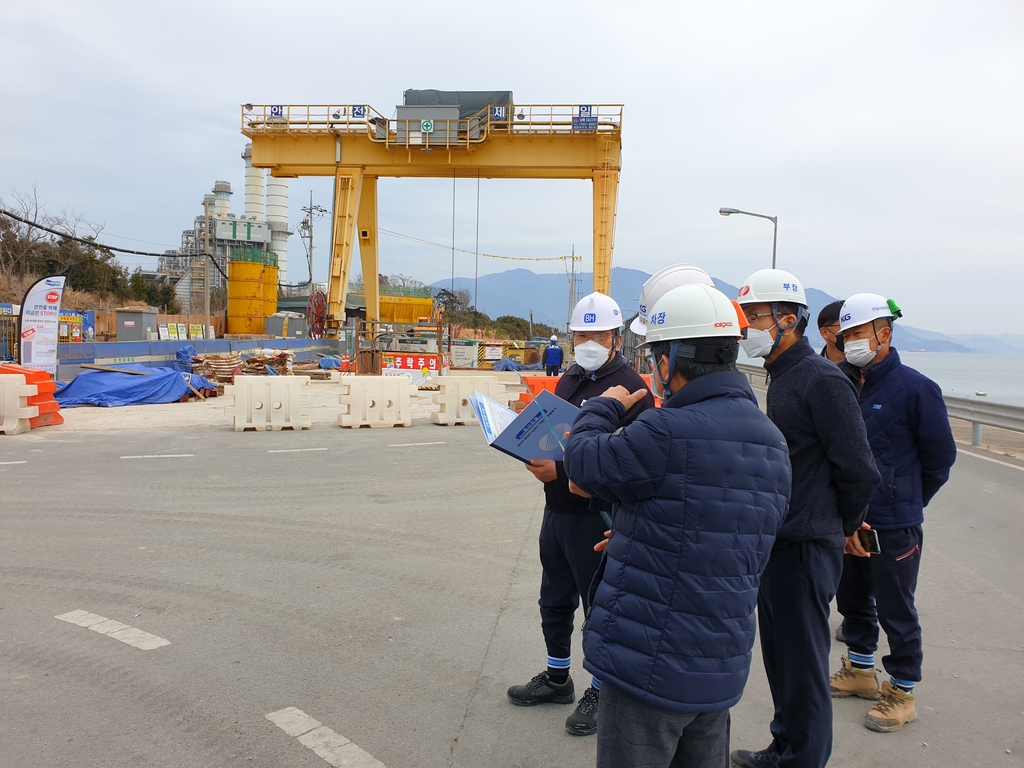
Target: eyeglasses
[(752, 318)]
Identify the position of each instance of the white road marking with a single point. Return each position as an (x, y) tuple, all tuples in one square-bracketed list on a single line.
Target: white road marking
[(13, 462), (161, 456), (115, 629), (296, 450), (406, 445), (331, 746), (994, 461)]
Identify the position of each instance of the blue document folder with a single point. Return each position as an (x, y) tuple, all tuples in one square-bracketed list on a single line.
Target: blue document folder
[(537, 432)]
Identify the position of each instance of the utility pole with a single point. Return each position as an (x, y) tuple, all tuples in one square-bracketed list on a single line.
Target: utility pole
[(206, 271), (313, 212)]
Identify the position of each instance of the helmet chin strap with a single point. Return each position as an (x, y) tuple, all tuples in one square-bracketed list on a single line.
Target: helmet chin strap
[(783, 328)]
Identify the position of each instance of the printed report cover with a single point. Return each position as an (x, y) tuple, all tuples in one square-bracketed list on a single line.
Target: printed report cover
[(535, 433)]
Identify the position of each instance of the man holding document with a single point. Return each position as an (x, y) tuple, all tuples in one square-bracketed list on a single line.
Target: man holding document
[(702, 486), (572, 523)]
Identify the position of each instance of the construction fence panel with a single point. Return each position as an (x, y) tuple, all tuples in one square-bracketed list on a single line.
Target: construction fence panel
[(453, 396), (267, 403), (376, 401), (15, 411)]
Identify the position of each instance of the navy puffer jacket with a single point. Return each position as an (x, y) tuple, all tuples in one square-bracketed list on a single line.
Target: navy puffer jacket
[(702, 485), (908, 428)]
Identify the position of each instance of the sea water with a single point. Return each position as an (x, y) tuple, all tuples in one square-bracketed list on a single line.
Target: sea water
[(1001, 377)]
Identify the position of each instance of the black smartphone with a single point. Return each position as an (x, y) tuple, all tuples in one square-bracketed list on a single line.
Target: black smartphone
[(869, 540)]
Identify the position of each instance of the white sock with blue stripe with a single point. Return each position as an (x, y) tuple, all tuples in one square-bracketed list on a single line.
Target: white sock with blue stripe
[(558, 669), (861, 660), (907, 686)]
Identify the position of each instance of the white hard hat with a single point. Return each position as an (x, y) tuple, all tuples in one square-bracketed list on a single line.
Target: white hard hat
[(770, 286), (693, 311), (553, 338), (661, 283), (595, 312), (864, 307)]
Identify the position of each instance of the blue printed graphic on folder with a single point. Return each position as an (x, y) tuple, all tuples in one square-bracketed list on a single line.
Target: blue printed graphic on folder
[(535, 433)]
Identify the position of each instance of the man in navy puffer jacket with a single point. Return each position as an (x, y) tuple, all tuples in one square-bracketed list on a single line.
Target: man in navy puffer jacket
[(702, 486), (910, 437)]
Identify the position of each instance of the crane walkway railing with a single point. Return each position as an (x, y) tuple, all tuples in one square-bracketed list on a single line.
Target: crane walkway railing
[(980, 413)]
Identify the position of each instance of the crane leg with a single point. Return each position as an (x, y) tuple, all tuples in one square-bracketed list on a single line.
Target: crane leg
[(367, 223), (606, 188), (348, 186)]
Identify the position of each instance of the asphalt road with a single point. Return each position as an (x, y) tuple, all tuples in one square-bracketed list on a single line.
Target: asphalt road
[(387, 590)]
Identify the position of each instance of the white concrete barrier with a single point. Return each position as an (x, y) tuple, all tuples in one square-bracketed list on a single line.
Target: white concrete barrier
[(270, 403), (453, 398), (15, 411), (376, 401)]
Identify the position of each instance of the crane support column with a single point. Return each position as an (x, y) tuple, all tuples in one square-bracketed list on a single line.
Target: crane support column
[(367, 221), (606, 187), (348, 187)]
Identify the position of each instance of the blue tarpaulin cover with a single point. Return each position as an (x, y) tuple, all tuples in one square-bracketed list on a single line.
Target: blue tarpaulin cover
[(508, 364), (163, 385), (183, 358)]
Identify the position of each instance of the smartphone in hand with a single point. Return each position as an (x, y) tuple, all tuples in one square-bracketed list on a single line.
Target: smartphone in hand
[(869, 540)]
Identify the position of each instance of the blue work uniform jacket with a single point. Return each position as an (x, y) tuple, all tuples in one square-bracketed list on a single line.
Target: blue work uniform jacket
[(908, 429), (702, 486), (553, 355)]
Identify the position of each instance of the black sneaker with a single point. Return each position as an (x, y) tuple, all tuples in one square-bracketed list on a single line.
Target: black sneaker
[(583, 722), (839, 634), (541, 690), (765, 758)]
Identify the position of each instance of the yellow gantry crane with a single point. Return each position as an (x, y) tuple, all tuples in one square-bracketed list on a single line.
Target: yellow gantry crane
[(357, 145)]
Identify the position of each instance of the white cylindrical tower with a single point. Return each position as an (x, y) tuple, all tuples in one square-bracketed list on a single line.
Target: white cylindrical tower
[(222, 191), (277, 222), (253, 187)]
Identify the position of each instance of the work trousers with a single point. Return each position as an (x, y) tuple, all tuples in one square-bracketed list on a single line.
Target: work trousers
[(552, 370), (792, 612), (569, 562), (634, 734), (880, 590)]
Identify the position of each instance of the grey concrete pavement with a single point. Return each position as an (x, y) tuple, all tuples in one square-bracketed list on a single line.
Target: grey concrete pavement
[(388, 590)]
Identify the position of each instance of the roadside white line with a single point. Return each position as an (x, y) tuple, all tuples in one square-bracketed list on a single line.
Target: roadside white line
[(13, 462), (994, 461), (161, 456), (115, 629), (296, 450), (331, 746), (406, 445)]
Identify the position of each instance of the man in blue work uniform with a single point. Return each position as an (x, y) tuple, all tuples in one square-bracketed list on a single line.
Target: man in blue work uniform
[(702, 485), (828, 328), (553, 357), (908, 428), (815, 406), (572, 523)]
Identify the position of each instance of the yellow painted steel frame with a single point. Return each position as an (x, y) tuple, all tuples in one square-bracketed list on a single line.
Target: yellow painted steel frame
[(357, 145)]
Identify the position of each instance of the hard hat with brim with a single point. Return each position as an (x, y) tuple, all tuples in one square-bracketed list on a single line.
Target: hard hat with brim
[(695, 311), (595, 312), (771, 286), (864, 307), (662, 282)]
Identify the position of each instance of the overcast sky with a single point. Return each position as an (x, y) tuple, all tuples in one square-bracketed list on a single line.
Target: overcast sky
[(886, 136)]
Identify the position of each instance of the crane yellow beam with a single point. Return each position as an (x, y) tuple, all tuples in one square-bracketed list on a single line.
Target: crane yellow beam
[(357, 145)]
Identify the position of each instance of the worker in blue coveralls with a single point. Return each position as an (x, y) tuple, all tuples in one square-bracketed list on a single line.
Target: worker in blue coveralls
[(912, 442), (815, 406), (572, 523), (552, 357), (702, 486)]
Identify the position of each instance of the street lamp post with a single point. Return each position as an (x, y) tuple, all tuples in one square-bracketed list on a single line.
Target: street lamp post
[(773, 219)]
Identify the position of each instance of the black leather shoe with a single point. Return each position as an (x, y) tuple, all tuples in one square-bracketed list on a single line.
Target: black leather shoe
[(583, 722), (541, 690), (765, 758)]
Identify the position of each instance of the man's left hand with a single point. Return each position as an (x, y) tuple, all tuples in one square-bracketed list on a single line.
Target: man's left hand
[(624, 396)]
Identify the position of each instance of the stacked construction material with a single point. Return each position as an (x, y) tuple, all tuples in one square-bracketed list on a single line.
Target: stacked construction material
[(217, 367), (278, 360)]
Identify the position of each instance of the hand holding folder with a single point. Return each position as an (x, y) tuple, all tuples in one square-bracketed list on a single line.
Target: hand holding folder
[(535, 433)]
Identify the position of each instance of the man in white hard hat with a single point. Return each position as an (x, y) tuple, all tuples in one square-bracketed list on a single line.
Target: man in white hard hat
[(702, 485), (660, 283), (912, 442), (553, 357), (815, 406), (572, 523)]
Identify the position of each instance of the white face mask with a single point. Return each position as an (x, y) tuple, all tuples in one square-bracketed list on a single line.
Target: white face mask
[(590, 355), (758, 343), (859, 352)]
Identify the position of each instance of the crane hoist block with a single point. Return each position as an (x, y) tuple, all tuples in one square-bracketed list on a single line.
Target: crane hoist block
[(270, 403)]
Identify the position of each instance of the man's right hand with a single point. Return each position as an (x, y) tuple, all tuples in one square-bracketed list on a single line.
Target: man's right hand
[(853, 545), (602, 545), (543, 469)]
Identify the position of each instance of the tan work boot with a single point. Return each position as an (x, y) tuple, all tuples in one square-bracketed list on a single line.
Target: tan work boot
[(894, 709), (849, 681)]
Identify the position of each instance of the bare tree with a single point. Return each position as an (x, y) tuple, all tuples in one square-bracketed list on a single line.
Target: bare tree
[(17, 240)]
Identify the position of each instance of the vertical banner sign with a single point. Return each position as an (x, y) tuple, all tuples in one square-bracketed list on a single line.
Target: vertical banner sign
[(38, 327)]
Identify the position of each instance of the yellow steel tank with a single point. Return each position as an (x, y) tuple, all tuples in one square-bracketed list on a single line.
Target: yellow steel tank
[(270, 274), (246, 304)]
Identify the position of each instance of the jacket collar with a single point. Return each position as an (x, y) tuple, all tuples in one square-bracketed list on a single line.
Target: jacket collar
[(875, 373), (722, 384), (610, 367), (789, 358)]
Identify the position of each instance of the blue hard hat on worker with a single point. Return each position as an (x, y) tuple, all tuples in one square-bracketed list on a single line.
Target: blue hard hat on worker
[(596, 325)]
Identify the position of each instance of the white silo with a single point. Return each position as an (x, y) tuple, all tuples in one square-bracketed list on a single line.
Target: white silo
[(222, 192), (254, 181), (277, 222)]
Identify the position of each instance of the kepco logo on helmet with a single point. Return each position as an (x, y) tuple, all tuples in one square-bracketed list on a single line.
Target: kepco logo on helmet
[(724, 324), (845, 317), (590, 317), (658, 318)]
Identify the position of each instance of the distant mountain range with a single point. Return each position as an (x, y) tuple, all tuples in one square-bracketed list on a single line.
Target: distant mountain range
[(517, 292)]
